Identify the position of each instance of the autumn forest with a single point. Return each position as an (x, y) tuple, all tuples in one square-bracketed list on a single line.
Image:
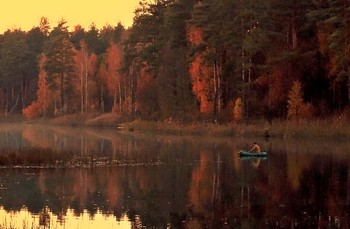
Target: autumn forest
[(217, 60)]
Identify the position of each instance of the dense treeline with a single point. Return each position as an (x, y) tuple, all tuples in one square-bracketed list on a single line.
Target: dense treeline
[(219, 60)]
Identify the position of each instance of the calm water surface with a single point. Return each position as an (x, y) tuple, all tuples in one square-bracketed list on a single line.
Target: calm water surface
[(174, 182)]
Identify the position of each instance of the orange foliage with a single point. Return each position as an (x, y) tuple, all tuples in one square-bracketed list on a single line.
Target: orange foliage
[(145, 92), (77, 28), (238, 111), (276, 88), (32, 111), (114, 77), (202, 83), (194, 35), (200, 72), (114, 62), (278, 93), (200, 191), (44, 96), (84, 84), (297, 107)]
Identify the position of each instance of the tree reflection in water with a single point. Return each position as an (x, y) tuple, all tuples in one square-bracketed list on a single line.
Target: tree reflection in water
[(179, 182), (26, 219)]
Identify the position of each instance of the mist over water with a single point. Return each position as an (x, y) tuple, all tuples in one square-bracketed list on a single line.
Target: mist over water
[(174, 181)]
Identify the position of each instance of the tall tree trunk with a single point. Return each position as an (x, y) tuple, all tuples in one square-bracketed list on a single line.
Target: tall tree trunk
[(133, 83), (62, 93), (219, 86), (102, 100), (348, 85), (217, 91), (44, 102), (247, 106), (81, 92), (215, 99), (56, 109), (23, 93), (243, 31), (348, 189), (347, 34), (133, 94), (294, 37), (120, 95), (13, 101), (269, 118), (115, 95), (243, 84), (86, 64), (86, 88), (294, 28), (126, 99), (7, 102)]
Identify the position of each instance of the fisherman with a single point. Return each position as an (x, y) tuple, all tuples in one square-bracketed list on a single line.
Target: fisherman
[(255, 148)]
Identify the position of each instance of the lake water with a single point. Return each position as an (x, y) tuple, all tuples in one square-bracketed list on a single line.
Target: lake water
[(174, 182)]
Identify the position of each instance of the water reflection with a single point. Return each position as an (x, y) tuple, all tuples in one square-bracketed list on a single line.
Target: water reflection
[(177, 182), (46, 219)]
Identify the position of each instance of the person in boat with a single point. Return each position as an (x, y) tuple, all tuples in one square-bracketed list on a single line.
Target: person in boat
[(255, 148)]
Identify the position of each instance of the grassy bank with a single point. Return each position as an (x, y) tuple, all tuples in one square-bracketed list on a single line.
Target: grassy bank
[(277, 129), (329, 129)]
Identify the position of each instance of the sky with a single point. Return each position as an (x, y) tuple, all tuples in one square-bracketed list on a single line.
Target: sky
[(26, 14)]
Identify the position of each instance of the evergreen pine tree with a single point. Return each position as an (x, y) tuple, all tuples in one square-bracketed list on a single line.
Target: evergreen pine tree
[(60, 65)]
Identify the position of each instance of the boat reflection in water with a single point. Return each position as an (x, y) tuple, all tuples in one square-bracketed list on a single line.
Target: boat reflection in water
[(174, 182)]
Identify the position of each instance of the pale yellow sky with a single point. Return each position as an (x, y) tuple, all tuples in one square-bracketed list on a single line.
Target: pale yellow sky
[(26, 14)]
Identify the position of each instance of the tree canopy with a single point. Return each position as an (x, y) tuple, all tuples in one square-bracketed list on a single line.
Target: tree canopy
[(182, 59)]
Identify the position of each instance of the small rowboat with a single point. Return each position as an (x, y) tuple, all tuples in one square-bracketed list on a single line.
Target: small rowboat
[(244, 153)]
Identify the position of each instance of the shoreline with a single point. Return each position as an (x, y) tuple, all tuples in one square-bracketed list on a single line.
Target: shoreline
[(258, 129), (282, 129)]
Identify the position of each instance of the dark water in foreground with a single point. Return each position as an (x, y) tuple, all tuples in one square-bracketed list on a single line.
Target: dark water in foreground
[(175, 182)]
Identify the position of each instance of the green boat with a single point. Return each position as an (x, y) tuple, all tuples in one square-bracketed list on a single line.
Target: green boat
[(244, 153)]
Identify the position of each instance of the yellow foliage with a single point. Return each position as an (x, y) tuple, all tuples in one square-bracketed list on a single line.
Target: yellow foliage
[(297, 108)]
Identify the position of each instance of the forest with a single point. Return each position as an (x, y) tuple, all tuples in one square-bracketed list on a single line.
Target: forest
[(187, 60)]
